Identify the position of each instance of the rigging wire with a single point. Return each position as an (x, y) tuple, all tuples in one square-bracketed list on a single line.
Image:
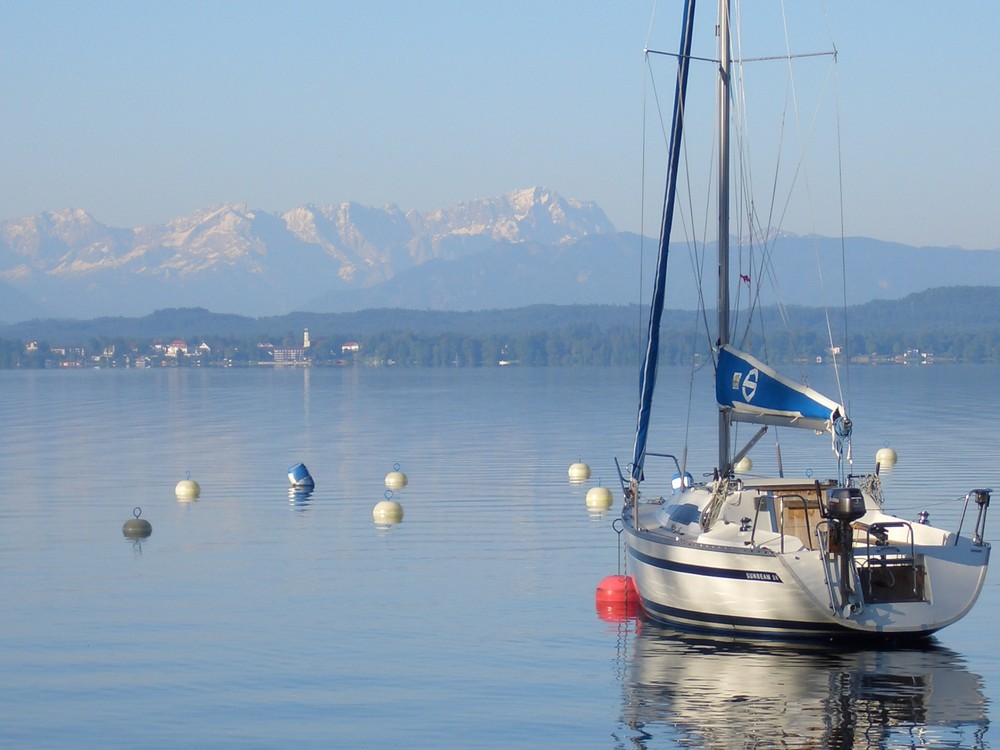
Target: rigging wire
[(757, 234), (646, 83), (642, 207), (696, 249), (843, 242), (757, 231)]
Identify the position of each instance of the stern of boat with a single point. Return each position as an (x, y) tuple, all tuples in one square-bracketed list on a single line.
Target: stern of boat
[(799, 557)]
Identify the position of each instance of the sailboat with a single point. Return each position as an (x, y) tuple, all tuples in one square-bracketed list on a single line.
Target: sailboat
[(781, 556)]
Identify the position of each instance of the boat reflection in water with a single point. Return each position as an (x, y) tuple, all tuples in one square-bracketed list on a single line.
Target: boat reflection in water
[(706, 692)]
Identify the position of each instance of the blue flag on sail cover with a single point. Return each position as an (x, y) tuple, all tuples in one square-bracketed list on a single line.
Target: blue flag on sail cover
[(756, 393)]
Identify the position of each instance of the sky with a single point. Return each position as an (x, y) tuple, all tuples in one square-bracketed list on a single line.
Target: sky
[(142, 112)]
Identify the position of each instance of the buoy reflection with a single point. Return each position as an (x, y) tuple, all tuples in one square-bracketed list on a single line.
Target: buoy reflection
[(300, 497)]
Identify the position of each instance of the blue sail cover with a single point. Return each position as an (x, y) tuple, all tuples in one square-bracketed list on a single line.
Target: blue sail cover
[(758, 394)]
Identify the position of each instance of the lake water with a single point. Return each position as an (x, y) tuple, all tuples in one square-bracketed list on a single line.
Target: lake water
[(251, 619)]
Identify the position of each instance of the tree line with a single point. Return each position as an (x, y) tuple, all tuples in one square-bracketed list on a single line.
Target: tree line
[(583, 344), (960, 324)]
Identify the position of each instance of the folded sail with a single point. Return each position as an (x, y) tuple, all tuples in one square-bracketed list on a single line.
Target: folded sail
[(649, 365), (758, 394)]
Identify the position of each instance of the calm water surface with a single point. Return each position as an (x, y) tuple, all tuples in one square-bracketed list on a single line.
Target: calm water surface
[(252, 619)]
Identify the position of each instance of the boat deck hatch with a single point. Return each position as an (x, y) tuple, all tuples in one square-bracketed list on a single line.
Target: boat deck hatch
[(683, 514)]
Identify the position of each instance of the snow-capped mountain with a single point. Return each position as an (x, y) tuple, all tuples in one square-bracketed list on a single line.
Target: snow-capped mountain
[(235, 258), (527, 247)]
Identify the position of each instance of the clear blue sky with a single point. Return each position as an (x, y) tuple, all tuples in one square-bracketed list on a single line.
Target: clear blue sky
[(140, 112)]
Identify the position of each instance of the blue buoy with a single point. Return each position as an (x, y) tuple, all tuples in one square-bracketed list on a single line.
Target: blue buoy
[(299, 476), (679, 484)]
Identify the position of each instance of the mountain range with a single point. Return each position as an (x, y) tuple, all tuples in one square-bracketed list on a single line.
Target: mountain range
[(527, 247)]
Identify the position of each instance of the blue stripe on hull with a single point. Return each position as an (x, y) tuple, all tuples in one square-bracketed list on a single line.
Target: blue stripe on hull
[(701, 570), (697, 621), (703, 621)]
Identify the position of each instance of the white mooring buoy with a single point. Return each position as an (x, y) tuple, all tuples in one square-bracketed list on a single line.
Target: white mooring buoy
[(579, 472), (599, 498), (187, 489), (387, 511), (395, 479), (744, 465), (885, 456)]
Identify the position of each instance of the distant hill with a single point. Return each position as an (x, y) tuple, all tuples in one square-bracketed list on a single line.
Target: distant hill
[(197, 322), (528, 247), (950, 309)]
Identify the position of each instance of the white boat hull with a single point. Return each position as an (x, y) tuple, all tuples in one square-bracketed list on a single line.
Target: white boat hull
[(741, 587)]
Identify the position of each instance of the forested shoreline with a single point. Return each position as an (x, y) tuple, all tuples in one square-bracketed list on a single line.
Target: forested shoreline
[(942, 325)]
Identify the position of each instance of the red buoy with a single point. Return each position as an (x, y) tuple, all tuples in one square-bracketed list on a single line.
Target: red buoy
[(617, 599)]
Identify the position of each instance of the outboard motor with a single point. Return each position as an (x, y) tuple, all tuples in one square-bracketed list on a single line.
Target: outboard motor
[(844, 505)]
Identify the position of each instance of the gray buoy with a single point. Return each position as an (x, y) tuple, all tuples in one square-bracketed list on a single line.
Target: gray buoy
[(137, 528)]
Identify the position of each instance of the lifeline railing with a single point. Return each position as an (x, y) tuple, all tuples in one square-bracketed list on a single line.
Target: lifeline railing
[(982, 498)]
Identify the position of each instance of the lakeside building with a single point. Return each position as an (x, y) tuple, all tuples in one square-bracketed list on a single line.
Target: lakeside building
[(293, 356)]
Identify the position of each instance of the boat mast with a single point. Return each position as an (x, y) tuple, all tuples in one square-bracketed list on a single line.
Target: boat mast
[(723, 242), (649, 365)]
